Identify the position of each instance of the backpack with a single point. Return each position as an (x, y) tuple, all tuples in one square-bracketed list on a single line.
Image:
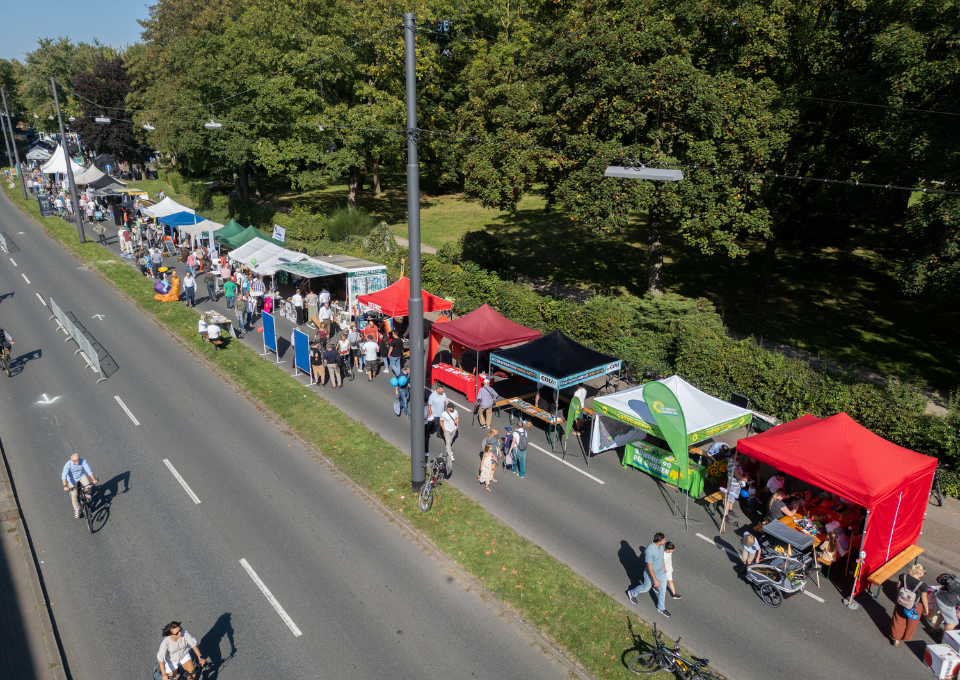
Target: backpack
[(522, 444), (907, 597), (949, 583)]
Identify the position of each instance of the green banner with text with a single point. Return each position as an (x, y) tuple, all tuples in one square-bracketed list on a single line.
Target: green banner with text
[(666, 410)]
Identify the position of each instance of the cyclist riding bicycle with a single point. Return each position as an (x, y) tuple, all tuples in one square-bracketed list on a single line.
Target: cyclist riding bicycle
[(6, 342), (175, 651), (77, 471)]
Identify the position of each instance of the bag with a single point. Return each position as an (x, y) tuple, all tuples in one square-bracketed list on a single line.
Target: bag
[(156, 672), (396, 406), (99, 216), (522, 444), (907, 598), (911, 613), (508, 460), (949, 583)]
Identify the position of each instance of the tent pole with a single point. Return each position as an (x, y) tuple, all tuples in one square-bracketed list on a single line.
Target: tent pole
[(476, 389), (856, 578), (723, 522)]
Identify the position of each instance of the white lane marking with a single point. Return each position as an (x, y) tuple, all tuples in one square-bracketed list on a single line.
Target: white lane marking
[(47, 400), (42, 300), (722, 547), (97, 316), (25, 278), (124, 407), (809, 594), (271, 599), (183, 482), (552, 455), (14, 263)]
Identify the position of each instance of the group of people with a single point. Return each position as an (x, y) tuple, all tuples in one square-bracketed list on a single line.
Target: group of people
[(657, 573), (509, 451)]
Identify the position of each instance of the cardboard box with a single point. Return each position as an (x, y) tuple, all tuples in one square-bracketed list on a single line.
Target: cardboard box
[(952, 638), (943, 661)]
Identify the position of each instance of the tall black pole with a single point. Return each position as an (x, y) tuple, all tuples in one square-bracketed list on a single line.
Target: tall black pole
[(13, 140), (418, 446), (6, 140), (69, 163)]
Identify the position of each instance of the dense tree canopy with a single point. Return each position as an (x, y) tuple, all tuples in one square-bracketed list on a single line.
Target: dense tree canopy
[(103, 91)]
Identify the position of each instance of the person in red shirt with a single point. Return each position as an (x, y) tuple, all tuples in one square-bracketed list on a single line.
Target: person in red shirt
[(456, 351)]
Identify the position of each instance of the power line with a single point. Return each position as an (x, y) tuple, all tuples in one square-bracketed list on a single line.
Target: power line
[(252, 89), (878, 106)]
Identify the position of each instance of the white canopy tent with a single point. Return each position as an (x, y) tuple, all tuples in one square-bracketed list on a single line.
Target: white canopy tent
[(269, 257), (167, 206), (200, 228), (88, 176), (705, 416), (58, 164), (38, 153)]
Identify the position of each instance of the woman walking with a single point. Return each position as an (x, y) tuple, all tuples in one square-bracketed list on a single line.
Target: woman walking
[(487, 466), (905, 619)]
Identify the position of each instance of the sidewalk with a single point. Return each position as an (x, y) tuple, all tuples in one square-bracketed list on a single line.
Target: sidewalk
[(941, 538), (28, 644)]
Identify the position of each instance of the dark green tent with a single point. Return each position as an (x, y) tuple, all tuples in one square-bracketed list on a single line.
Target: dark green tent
[(246, 235), (229, 230)]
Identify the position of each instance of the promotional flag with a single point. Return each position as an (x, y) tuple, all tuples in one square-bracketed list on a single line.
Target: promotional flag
[(666, 410), (573, 412)]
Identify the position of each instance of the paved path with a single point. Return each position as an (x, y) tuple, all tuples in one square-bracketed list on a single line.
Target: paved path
[(595, 517), (364, 599)]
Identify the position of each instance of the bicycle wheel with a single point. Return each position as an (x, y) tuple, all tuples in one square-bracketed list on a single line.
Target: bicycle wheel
[(770, 595), (703, 674), (6, 364), (88, 515), (426, 496), (937, 492), (646, 664)]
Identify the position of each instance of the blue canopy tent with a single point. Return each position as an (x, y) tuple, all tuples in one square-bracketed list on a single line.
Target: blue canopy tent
[(178, 219)]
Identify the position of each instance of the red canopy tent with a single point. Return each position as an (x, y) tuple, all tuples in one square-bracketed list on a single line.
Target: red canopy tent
[(393, 300), (840, 456)]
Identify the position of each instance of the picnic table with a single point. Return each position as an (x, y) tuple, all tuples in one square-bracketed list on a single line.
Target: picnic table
[(221, 320), (517, 405)]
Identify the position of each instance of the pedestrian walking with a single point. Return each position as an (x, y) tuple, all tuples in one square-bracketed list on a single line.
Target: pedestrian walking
[(488, 464), (402, 390), (354, 337), (907, 613), (210, 279), (654, 575), (486, 397), (668, 549), (510, 449), (436, 405), (520, 454), (251, 304), (370, 349), (493, 440), (190, 287), (230, 292), (395, 353), (450, 422), (156, 259), (331, 367), (192, 263)]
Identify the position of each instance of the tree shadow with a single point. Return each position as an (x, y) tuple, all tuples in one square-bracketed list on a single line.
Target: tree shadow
[(210, 646)]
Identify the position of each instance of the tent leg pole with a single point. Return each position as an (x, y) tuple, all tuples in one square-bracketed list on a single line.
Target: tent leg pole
[(856, 577)]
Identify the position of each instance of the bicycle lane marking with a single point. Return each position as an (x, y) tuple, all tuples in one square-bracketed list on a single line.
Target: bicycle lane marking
[(552, 455), (183, 482), (124, 407), (734, 553), (271, 599)]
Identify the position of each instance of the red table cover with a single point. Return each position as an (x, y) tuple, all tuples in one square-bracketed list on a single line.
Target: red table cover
[(459, 380)]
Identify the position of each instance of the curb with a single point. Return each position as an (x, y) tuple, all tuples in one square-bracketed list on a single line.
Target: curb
[(10, 511)]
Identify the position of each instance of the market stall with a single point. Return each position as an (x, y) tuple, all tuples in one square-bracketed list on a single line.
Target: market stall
[(246, 236), (262, 256), (229, 230), (840, 456), (58, 164), (481, 330), (351, 275), (392, 300), (557, 362), (167, 206)]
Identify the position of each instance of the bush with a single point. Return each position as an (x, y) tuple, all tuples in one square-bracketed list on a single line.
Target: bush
[(450, 253), (482, 248), (344, 222)]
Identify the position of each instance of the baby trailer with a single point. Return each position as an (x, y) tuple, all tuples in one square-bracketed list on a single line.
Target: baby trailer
[(779, 575)]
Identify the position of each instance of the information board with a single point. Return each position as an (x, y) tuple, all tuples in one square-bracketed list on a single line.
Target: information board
[(46, 205)]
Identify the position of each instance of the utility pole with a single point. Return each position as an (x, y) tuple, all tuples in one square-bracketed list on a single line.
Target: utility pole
[(66, 155), (418, 447), (6, 140), (13, 141)]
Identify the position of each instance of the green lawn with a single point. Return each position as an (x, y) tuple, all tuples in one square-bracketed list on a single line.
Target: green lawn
[(839, 302)]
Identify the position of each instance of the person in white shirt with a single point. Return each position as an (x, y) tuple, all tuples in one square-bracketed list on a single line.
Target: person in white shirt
[(580, 394), (213, 332), (437, 404), (450, 422), (668, 569), (370, 350), (175, 650), (325, 315), (324, 297), (203, 324), (297, 301)]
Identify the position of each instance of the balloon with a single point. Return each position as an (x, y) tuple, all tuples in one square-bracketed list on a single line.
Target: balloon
[(402, 380), (260, 330), (393, 382), (253, 262)]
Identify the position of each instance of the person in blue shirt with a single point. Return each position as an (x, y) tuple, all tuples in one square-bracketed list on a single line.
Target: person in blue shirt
[(655, 575), (77, 471), (717, 451)]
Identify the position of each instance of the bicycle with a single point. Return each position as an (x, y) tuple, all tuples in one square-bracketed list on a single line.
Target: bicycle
[(436, 471), (936, 490), (5, 361), (663, 659), (84, 501), (612, 383)]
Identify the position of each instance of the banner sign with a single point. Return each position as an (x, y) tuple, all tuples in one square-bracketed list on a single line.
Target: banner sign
[(46, 205), (279, 233), (573, 412), (301, 353), (642, 425), (666, 410), (550, 381), (269, 333)]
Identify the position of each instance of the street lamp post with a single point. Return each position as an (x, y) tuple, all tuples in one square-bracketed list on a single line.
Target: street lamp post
[(415, 304), (69, 163), (6, 139), (13, 140)]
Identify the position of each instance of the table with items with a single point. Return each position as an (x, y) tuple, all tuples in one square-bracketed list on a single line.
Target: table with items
[(518, 406), (222, 321), (664, 465), (456, 378)]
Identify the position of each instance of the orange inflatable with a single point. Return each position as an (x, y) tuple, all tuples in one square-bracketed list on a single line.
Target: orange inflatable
[(173, 295)]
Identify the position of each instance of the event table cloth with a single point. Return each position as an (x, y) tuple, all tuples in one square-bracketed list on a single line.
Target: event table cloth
[(459, 380), (663, 465)]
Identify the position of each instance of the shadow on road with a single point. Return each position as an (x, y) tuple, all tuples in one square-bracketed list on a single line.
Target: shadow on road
[(17, 365), (104, 496), (210, 646), (631, 562)]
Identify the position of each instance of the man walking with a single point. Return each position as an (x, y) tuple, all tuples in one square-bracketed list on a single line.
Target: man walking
[(436, 405), (486, 397), (190, 288), (230, 292), (210, 279), (655, 576), (403, 390), (450, 421)]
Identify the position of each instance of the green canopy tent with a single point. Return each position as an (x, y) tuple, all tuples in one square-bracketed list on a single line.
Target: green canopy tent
[(229, 230), (247, 235)]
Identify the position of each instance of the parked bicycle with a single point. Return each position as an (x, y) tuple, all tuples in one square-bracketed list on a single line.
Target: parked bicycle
[(936, 490), (664, 659), (437, 470)]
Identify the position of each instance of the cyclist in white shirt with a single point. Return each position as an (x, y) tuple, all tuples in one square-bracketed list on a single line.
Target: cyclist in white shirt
[(175, 651)]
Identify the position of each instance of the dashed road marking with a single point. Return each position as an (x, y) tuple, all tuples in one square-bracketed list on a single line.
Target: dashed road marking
[(271, 599), (25, 278), (183, 482), (14, 263), (129, 413), (42, 300)]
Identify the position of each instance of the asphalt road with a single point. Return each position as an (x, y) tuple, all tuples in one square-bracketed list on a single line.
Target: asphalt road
[(597, 518), (363, 599)]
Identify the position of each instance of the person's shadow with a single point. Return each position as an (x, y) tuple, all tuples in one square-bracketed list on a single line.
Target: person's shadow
[(633, 564), (106, 492), (210, 646), (18, 364)]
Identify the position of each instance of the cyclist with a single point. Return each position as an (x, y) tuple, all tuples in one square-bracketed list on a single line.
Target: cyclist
[(6, 342), (175, 651), (77, 471)]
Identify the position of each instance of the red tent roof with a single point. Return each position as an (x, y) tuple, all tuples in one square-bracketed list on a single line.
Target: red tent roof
[(393, 300), (839, 455), (485, 328)]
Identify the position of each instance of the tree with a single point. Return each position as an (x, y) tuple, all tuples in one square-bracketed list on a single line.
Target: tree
[(103, 92)]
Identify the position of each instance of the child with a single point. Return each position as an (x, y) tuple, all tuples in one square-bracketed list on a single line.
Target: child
[(487, 466), (750, 550), (668, 569)]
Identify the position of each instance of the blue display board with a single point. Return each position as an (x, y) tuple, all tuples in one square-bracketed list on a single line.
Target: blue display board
[(269, 333), (301, 353)]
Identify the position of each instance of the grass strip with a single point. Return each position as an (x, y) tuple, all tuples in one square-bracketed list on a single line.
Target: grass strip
[(592, 627)]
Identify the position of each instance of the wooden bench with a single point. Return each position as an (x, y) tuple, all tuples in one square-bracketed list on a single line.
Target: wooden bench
[(881, 575), (217, 343), (714, 503)]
